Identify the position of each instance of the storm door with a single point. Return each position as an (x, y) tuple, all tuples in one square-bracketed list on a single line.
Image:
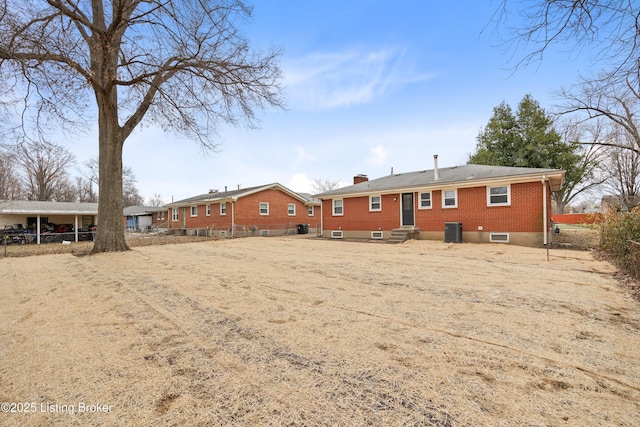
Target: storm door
[(407, 209)]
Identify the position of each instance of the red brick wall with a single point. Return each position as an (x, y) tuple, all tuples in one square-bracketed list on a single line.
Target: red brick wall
[(162, 222), (524, 215), (202, 220), (247, 212)]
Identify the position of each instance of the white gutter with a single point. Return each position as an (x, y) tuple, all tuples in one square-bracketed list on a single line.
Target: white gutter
[(321, 219), (233, 199), (544, 208)]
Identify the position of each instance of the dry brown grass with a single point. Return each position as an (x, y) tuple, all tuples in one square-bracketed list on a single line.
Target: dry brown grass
[(83, 248), (302, 331)]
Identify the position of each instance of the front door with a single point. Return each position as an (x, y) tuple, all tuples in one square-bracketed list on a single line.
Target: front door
[(407, 209), (184, 217)]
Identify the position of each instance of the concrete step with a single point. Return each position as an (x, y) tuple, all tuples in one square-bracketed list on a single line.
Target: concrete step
[(399, 235)]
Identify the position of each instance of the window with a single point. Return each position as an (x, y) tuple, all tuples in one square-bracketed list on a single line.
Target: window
[(194, 211), (375, 203), (160, 215), (223, 208), (291, 209), (311, 211), (450, 199), (498, 196), (264, 208), (208, 212), (336, 234), (425, 201), (377, 234), (337, 207), (174, 214), (499, 237)]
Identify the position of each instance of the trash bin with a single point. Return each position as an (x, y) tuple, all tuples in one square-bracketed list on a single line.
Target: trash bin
[(303, 228), (453, 232)]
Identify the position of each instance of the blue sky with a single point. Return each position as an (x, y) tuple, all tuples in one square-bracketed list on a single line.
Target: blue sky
[(369, 86)]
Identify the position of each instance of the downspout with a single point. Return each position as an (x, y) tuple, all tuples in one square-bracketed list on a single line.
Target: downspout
[(233, 216), (321, 218), (38, 229), (544, 208)]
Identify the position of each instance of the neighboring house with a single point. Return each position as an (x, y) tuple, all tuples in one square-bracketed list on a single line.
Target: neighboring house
[(144, 218), (264, 210), (470, 203), (38, 217), (619, 203)]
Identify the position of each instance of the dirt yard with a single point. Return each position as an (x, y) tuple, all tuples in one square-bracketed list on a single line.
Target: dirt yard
[(306, 332)]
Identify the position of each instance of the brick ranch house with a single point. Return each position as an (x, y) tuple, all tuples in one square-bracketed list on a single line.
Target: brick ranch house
[(470, 203), (143, 218), (270, 209)]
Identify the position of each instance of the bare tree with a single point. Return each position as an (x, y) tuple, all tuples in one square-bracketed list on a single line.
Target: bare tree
[(610, 27), (620, 169), (45, 167), (183, 65), (131, 195), (65, 191), (156, 200), (623, 177), (585, 175), (10, 183), (617, 104), (84, 190), (323, 185)]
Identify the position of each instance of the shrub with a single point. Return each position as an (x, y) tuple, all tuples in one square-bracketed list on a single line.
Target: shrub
[(619, 232)]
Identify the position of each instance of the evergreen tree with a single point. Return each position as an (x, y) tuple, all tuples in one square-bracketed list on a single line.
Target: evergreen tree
[(528, 139)]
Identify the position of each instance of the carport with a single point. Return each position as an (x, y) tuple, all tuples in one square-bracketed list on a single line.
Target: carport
[(36, 213)]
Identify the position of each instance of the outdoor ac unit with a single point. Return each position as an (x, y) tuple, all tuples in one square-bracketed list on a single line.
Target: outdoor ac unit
[(453, 232)]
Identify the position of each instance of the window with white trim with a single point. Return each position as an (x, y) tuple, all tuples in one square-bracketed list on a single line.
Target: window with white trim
[(375, 203), (208, 211), (264, 208), (499, 237), (194, 211), (337, 207), (311, 210), (291, 209), (223, 208), (160, 215), (499, 195), (425, 200), (175, 216), (450, 198)]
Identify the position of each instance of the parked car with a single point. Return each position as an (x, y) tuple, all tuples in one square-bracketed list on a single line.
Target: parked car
[(64, 228), (15, 233)]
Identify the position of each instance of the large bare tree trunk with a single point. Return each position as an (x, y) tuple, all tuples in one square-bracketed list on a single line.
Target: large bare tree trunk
[(110, 225)]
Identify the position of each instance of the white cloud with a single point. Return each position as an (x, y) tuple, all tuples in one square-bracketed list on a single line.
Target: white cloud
[(302, 154), (377, 155), (329, 80), (300, 183)]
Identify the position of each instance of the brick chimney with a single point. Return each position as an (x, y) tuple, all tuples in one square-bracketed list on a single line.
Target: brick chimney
[(360, 178)]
